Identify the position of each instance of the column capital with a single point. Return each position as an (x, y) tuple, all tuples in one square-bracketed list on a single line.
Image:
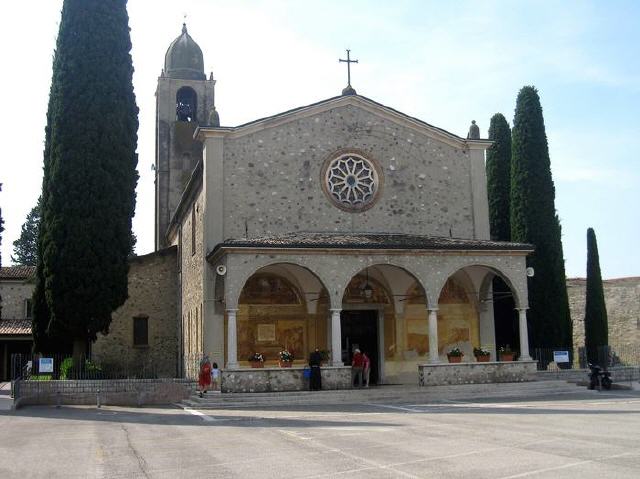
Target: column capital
[(433, 310), (232, 310), (522, 309), (335, 310)]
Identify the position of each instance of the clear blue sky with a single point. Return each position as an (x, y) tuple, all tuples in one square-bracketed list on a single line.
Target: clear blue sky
[(444, 62)]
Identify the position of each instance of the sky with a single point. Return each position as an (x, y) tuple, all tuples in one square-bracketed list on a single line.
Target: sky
[(446, 63)]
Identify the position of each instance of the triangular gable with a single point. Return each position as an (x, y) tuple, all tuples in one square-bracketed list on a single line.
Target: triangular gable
[(358, 101)]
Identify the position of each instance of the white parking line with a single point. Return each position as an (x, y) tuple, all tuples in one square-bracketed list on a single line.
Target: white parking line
[(195, 412)]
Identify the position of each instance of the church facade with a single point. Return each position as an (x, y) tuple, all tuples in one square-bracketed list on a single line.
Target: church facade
[(338, 225)]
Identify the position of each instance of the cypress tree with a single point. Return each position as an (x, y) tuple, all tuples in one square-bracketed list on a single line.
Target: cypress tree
[(88, 197), (596, 328), (25, 247), (499, 178), (534, 220), (499, 190)]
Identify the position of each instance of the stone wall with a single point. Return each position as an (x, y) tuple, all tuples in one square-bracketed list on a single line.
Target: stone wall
[(622, 297), (476, 373), (113, 392), (273, 178), (152, 293), (14, 294), (261, 380), (191, 272)]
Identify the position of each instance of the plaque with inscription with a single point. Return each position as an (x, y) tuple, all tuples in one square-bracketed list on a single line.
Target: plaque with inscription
[(266, 333)]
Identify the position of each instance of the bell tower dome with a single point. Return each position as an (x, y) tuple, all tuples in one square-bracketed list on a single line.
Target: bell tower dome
[(183, 59), (184, 99)]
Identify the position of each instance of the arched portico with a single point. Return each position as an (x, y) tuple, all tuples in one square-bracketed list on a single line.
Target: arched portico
[(412, 283)]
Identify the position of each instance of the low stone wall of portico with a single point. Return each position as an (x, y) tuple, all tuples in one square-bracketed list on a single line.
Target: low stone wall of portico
[(260, 380), (443, 374)]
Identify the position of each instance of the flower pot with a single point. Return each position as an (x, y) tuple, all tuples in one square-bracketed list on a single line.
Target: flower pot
[(483, 358), (285, 364), (454, 359), (257, 364), (507, 356)]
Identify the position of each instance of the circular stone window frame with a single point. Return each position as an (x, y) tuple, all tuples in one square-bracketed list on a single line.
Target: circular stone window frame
[(361, 155)]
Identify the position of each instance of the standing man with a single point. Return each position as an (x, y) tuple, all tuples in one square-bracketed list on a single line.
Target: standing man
[(356, 367), (315, 359)]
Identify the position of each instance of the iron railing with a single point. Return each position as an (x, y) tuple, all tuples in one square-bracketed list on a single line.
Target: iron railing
[(28, 367), (605, 356)]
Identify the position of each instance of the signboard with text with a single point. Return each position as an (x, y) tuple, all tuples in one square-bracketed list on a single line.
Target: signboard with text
[(45, 365), (561, 356)]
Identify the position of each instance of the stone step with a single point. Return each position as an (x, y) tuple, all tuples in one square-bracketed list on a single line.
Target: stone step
[(379, 394)]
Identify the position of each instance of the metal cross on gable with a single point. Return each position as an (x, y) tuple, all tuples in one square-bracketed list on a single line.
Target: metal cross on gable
[(348, 61)]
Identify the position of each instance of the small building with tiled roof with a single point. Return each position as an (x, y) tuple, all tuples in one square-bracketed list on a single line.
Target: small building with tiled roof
[(16, 289)]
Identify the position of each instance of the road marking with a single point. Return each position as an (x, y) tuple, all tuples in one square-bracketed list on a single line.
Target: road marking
[(389, 406), (195, 412), (572, 464)]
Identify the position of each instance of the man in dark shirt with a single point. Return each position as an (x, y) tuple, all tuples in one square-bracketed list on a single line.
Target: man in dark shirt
[(315, 359)]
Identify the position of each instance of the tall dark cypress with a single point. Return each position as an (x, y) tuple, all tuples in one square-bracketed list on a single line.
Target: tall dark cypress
[(534, 220), (596, 327), (90, 175), (499, 178)]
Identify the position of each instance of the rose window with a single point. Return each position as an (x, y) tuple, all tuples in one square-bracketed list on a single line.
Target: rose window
[(351, 181)]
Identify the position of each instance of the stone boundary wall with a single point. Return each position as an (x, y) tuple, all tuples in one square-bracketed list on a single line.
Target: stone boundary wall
[(476, 373), (618, 374), (260, 380), (112, 392)]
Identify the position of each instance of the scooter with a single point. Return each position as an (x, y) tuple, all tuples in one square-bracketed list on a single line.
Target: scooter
[(599, 379)]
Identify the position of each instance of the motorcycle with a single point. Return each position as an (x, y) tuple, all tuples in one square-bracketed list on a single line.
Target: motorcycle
[(599, 379)]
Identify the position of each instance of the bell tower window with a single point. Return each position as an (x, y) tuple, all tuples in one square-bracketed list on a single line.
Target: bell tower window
[(186, 104)]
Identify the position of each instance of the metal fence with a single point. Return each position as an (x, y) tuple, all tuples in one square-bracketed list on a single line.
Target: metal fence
[(605, 356), (53, 367)]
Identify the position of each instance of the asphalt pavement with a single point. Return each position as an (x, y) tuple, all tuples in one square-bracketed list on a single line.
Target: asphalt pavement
[(582, 435)]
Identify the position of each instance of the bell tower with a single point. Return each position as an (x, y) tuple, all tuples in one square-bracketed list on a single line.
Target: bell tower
[(184, 100)]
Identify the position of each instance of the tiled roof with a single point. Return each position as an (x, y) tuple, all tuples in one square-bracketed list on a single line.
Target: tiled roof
[(371, 241), (17, 272), (15, 326)]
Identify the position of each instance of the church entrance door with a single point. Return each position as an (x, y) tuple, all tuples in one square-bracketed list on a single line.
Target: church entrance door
[(360, 330)]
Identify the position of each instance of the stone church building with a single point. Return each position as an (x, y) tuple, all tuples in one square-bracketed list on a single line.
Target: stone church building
[(335, 225)]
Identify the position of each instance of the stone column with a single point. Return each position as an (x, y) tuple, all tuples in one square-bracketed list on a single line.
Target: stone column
[(232, 339), (336, 338), (433, 336), (524, 335)]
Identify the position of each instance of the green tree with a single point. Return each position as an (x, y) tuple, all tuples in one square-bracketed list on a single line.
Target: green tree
[(534, 220), (88, 197), (499, 178), (25, 248), (596, 328)]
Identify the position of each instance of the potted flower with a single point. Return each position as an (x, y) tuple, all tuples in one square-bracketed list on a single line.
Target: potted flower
[(256, 360), (506, 354), (482, 355), (455, 355), (325, 355), (285, 358)]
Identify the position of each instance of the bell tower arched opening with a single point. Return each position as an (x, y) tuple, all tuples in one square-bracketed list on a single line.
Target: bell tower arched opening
[(186, 104)]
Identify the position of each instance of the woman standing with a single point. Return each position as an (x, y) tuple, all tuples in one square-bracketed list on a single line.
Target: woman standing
[(204, 378)]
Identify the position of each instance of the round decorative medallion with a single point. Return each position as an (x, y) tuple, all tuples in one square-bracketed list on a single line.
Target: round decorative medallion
[(351, 181)]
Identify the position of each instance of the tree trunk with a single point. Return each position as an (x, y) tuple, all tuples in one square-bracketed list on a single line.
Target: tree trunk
[(79, 354)]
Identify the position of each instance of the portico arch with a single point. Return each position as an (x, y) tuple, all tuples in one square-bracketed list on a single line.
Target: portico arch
[(373, 304), (273, 314), (479, 278)]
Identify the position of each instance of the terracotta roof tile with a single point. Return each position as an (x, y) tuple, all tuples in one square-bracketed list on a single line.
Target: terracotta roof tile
[(17, 272), (371, 241), (15, 326)]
